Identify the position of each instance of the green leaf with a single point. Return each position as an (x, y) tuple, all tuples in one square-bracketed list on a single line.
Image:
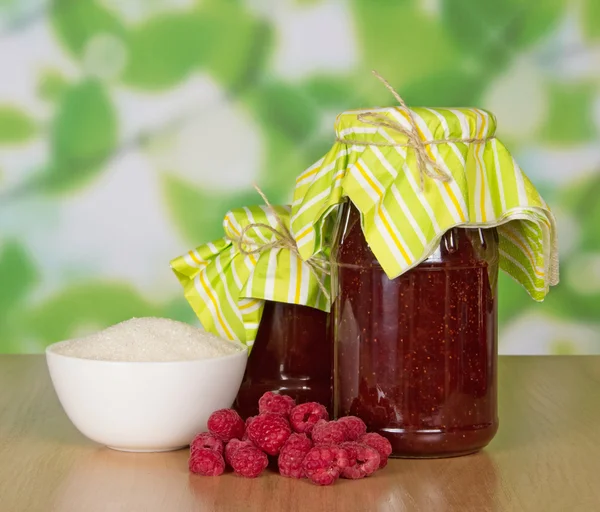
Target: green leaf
[(180, 310), (513, 300), (76, 22), (581, 200), (591, 19), (18, 276), (52, 85), (240, 44), (284, 108), (539, 19), (223, 37), (285, 159), (84, 135), (402, 43), (16, 126), (166, 49), (491, 32), (570, 118), (295, 136), (564, 302), (459, 89), (93, 305), (198, 214), (290, 119), (338, 93), (11, 339), (483, 29), (579, 195)]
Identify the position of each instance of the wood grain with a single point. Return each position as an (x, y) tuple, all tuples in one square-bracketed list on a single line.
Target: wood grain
[(546, 457)]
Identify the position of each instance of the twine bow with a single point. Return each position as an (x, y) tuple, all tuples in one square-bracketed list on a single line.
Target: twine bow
[(425, 162), (283, 240)]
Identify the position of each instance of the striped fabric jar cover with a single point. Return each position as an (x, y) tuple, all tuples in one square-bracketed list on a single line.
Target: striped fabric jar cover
[(227, 288), (403, 222)]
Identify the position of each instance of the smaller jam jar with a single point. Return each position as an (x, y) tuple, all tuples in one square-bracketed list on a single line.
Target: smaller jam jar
[(252, 286)]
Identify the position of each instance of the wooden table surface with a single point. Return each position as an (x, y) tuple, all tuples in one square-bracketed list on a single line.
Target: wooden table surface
[(546, 457)]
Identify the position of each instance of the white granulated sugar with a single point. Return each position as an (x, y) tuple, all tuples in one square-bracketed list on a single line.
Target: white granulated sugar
[(149, 339)]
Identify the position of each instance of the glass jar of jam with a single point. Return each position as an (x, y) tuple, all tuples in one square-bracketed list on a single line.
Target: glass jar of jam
[(291, 355), (416, 356)]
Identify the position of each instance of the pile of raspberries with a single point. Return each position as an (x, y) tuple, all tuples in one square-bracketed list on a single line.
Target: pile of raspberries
[(301, 437)]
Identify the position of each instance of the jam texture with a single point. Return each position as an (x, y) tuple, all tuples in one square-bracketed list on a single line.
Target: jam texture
[(416, 357), (292, 355)]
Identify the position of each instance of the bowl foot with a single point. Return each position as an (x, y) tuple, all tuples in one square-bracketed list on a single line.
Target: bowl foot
[(146, 450)]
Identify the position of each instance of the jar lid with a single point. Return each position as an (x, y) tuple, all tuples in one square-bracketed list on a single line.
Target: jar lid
[(227, 281), (433, 124), (415, 173)]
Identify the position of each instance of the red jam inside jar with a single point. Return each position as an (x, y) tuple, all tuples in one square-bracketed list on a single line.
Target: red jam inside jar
[(416, 356), (291, 355)]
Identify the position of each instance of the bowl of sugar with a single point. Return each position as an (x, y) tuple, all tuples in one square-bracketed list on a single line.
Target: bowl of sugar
[(146, 384)]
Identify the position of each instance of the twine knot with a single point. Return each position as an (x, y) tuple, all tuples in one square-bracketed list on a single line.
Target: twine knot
[(283, 240), (426, 164)]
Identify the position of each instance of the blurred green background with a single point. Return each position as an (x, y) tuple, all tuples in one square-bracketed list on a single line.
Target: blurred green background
[(129, 127)]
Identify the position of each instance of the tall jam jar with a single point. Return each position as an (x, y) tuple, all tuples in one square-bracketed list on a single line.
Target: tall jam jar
[(290, 355), (416, 357)]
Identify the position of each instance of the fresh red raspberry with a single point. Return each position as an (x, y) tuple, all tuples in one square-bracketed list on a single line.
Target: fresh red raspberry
[(233, 446), (206, 462), (249, 461), (226, 424), (364, 460), (328, 432), (269, 432), (206, 440), (277, 404), (304, 416), (324, 464), (380, 443), (355, 427), (292, 454)]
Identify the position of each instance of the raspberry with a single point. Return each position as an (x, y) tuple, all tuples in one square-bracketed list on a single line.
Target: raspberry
[(233, 446), (355, 427), (364, 460), (249, 462), (328, 432), (380, 443), (277, 404), (292, 454), (226, 424), (304, 416), (323, 464), (269, 432), (206, 462), (206, 440)]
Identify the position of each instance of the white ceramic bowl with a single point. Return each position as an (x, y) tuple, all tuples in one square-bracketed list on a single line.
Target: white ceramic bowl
[(144, 406)]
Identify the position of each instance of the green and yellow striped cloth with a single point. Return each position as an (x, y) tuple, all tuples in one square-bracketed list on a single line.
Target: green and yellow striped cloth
[(401, 221), (227, 288)]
